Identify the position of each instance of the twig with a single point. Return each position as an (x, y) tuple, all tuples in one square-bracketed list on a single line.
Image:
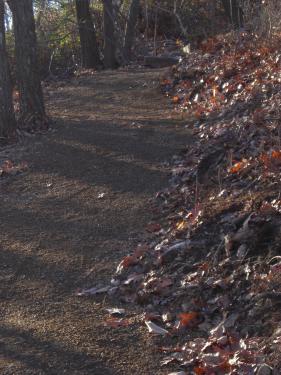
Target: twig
[(217, 252)]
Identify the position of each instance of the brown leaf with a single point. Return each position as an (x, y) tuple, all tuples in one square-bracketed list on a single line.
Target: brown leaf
[(154, 328), (128, 261), (116, 323)]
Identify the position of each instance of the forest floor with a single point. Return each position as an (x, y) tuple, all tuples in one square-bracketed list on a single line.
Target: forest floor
[(81, 205)]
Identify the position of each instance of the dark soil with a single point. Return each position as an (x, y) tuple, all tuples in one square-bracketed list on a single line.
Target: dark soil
[(66, 223)]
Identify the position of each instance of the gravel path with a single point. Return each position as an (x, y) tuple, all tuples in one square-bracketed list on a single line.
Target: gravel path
[(66, 223)]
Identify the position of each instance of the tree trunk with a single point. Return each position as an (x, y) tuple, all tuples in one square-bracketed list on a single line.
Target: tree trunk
[(32, 109), (89, 46), (110, 61), (130, 29), (7, 117), (234, 12)]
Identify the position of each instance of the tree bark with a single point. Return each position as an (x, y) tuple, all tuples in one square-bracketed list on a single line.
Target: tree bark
[(32, 110), (7, 116), (89, 46), (233, 12), (110, 61), (130, 29)]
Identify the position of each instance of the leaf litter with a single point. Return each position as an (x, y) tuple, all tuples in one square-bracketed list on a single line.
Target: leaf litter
[(208, 278)]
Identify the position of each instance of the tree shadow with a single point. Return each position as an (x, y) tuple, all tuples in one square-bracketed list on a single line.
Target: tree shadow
[(47, 357), (106, 166), (53, 234)]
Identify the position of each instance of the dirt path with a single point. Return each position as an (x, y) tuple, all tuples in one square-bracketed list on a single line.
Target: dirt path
[(80, 207)]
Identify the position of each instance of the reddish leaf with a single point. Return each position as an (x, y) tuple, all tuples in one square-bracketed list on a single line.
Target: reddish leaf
[(199, 371), (176, 99), (188, 319), (276, 155), (128, 261), (237, 167)]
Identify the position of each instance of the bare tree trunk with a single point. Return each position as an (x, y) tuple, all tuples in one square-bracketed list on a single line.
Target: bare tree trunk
[(32, 108), (7, 116), (88, 40), (130, 29), (234, 12), (109, 37)]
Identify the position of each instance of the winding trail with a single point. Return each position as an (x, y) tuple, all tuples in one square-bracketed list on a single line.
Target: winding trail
[(68, 220)]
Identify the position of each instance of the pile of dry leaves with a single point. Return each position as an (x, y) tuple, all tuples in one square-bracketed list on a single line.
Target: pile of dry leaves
[(208, 274)]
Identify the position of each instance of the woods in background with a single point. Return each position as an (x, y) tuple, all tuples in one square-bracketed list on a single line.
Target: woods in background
[(89, 47), (45, 38)]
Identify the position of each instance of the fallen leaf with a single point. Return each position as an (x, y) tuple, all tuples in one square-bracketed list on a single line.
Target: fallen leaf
[(276, 155), (173, 358), (242, 251), (176, 99), (154, 328), (133, 278), (116, 311), (128, 261), (237, 167), (188, 319), (182, 225), (199, 370), (116, 323), (92, 291)]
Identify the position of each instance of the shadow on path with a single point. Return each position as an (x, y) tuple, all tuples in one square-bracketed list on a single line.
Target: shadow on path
[(66, 223)]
